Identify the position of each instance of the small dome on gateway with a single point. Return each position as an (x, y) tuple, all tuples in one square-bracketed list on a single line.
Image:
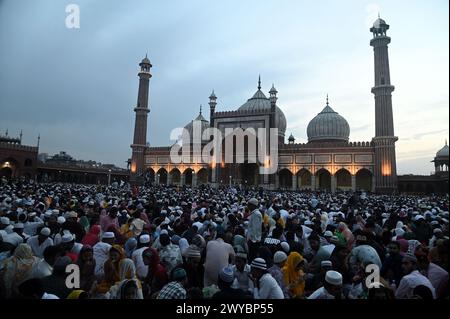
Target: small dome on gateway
[(203, 122)]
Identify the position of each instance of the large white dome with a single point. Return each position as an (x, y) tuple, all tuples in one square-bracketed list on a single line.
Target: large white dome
[(260, 102), (328, 125)]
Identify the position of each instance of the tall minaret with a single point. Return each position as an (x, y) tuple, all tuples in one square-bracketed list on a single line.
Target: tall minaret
[(384, 140), (140, 125)]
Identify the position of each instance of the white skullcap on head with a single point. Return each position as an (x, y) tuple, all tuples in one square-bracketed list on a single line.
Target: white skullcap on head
[(144, 239), (328, 234), (61, 220), (45, 231), (285, 246), (67, 238), (164, 231), (333, 278), (279, 257), (108, 234), (4, 220), (18, 226)]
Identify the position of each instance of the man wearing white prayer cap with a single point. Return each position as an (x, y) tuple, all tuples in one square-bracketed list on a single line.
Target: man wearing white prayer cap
[(332, 288), (412, 278), (144, 243), (16, 236), (39, 242)]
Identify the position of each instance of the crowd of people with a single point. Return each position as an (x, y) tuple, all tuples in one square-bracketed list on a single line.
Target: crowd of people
[(64, 241)]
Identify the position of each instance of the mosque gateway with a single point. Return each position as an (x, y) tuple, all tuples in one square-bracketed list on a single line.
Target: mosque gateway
[(328, 161)]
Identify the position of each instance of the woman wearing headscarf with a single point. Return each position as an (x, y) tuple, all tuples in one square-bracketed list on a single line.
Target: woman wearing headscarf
[(346, 234), (127, 273), (86, 263), (293, 275), (17, 269), (156, 275), (92, 237), (111, 266)]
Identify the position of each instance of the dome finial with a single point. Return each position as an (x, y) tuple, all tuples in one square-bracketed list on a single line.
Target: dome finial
[(378, 14), (327, 100), (201, 109), (259, 82)]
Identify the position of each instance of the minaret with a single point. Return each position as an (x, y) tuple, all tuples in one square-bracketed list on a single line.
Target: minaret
[(212, 107), (273, 110), (384, 140), (140, 125)]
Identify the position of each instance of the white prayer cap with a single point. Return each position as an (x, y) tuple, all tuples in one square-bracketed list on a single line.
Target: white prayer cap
[(48, 213), (67, 238), (108, 235), (71, 214), (333, 278), (18, 226), (328, 234), (164, 231), (437, 230), (418, 217), (45, 231), (253, 201), (55, 211), (279, 257), (326, 263), (61, 220), (144, 239), (4, 220), (285, 246)]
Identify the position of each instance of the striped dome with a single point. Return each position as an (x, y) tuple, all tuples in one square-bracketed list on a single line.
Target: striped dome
[(260, 102), (328, 125)]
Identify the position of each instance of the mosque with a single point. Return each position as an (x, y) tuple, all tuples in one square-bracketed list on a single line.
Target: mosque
[(328, 161)]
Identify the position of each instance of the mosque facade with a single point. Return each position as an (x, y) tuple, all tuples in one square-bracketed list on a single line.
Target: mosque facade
[(328, 161)]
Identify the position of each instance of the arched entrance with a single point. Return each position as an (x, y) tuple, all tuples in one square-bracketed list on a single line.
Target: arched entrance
[(149, 176), (6, 172), (249, 174), (364, 180), (285, 178), (202, 176), (175, 176), (162, 176), (304, 180), (343, 180), (8, 167), (323, 178), (188, 176)]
